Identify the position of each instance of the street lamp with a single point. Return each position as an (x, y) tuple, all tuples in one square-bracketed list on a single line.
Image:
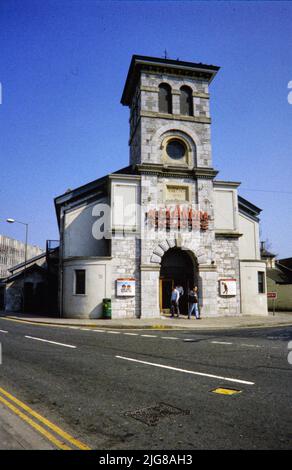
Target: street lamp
[(12, 221)]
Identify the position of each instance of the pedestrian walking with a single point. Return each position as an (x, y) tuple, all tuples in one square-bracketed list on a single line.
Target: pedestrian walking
[(174, 309), (181, 293), (194, 303)]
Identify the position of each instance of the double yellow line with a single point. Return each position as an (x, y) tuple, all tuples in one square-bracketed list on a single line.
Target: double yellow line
[(59, 438)]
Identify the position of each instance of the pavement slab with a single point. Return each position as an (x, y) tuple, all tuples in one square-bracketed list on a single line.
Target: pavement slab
[(17, 435), (223, 322)]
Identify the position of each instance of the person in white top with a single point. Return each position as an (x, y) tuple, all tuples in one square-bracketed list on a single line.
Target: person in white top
[(174, 302)]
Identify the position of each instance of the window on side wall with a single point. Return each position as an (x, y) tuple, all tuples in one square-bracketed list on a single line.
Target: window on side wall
[(79, 282), (261, 282)]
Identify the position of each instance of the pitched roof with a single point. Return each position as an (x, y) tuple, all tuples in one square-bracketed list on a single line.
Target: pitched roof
[(95, 187), (248, 208), (267, 254), (33, 267), (28, 262), (285, 262)]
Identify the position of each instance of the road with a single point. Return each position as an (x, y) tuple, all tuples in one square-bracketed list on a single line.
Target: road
[(152, 389)]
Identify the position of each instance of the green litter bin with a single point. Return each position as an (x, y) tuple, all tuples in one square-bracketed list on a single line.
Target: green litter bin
[(107, 308)]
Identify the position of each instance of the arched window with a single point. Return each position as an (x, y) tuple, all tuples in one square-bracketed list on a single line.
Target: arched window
[(186, 101), (165, 98)]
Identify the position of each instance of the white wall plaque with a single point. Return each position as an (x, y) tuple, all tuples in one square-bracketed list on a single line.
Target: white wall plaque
[(227, 287)]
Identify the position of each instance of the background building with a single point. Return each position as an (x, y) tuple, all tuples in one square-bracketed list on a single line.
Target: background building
[(279, 280), (32, 287), (12, 253)]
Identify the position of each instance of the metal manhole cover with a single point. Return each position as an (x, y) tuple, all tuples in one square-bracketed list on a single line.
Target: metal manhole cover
[(151, 415)]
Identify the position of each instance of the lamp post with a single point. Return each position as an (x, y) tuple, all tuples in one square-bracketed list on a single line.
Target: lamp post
[(12, 221)]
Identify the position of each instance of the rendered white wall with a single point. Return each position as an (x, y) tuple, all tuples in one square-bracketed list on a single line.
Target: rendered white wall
[(225, 209), (124, 203), (78, 238), (252, 303), (249, 243), (98, 287)]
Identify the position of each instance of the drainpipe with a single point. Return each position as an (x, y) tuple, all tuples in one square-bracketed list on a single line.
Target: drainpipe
[(239, 282), (61, 264)]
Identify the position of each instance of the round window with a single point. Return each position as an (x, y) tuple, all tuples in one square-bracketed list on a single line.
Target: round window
[(175, 149)]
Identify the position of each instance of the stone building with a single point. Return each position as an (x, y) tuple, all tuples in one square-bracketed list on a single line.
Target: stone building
[(165, 219), (32, 286)]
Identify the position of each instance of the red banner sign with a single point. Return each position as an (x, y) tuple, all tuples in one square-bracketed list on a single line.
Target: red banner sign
[(272, 295), (177, 218)]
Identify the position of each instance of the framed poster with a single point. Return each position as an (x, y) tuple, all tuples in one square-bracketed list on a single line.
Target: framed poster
[(126, 287), (227, 287)]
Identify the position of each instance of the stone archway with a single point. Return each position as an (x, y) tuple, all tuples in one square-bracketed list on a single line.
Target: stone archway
[(199, 257), (150, 272), (177, 269)]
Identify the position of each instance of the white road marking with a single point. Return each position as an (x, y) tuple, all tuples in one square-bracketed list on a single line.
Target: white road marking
[(251, 345), (114, 332), (228, 379), (52, 342), (131, 334), (86, 329), (168, 337), (3, 331), (220, 342), (99, 331), (149, 336)]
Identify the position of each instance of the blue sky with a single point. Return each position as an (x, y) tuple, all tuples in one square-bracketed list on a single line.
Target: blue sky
[(62, 69)]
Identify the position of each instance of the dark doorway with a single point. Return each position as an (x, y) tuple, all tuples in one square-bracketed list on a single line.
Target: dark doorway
[(177, 268), (28, 297), (40, 297), (2, 298)]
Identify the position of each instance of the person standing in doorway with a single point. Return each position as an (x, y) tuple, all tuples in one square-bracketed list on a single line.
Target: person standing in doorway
[(174, 302), (194, 303), (181, 293)]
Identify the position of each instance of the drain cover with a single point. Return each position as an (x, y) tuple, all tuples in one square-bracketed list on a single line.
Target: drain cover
[(151, 415), (226, 391)]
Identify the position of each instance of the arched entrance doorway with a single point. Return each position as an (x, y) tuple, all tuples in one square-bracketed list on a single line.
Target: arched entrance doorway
[(177, 268)]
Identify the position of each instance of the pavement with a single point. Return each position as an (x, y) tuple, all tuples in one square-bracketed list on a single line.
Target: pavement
[(223, 322), (156, 389), (15, 434)]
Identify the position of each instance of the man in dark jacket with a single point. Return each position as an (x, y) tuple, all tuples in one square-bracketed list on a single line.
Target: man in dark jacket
[(194, 303)]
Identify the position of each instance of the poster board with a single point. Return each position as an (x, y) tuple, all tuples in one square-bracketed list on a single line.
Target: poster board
[(126, 287)]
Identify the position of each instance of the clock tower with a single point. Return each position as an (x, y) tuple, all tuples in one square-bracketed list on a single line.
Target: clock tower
[(170, 149)]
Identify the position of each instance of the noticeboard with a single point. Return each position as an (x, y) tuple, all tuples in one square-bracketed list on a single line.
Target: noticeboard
[(126, 287)]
